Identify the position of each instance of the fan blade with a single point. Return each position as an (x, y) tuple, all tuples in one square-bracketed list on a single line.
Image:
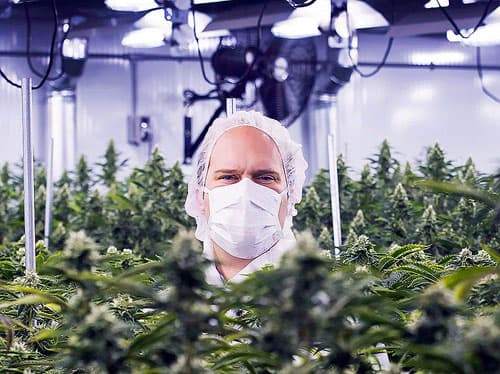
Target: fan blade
[(289, 74), (274, 99)]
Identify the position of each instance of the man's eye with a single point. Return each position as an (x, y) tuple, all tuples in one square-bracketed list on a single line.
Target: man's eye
[(227, 177), (267, 178)]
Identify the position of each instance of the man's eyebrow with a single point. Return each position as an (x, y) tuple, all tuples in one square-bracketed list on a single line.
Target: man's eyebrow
[(227, 171), (266, 171)]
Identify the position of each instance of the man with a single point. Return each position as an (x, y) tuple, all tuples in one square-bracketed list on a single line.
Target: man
[(248, 177)]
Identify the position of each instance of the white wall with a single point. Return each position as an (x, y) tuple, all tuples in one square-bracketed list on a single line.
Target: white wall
[(412, 108)]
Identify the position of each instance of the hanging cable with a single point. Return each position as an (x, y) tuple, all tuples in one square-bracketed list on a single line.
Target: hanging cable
[(480, 74), (200, 56), (293, 4), (4, 76), (28, 47), (350, 48), (454, 24), (52, 47), (51, 54), (378, 67)]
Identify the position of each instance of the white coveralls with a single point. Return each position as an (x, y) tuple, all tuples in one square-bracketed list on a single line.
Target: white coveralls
[(271, 257)]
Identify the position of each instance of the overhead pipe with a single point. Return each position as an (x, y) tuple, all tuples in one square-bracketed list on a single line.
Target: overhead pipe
[(156, 57)]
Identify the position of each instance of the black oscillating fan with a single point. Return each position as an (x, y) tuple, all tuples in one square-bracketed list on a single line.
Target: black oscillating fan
[(284, 73)]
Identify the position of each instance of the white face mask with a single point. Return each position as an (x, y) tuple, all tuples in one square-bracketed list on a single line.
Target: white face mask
[(244, 218)]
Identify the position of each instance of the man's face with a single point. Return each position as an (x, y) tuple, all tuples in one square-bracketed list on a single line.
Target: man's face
[(246, 152)]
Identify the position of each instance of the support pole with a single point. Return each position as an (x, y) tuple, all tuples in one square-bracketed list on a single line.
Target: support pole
[(334, 180), (133, 87), (230, 106), (29, 188), (49, 193)]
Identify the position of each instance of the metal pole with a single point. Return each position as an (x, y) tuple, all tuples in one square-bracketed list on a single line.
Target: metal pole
[(133, 87), (29, 188), (49, 193), (230, 106), (334, 186), (188, 134)]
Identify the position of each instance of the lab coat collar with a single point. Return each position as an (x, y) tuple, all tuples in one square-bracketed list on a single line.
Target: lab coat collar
[(271, 257)]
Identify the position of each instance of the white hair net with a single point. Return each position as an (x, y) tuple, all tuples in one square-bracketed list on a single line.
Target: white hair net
[(294, 164)]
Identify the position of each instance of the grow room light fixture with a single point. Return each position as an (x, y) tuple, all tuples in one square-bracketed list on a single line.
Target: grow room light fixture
[(198, 2), (156, 19), (493, 17), (149, 37), (131, 5), (437, 4), (361, 16), (296, 28), (484, 36), (184, 33), (74, 56), (75, 48), (309, 21), (304, 22), (164, 24)]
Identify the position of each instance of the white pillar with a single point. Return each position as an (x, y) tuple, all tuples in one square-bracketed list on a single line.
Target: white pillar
[(62, 129)]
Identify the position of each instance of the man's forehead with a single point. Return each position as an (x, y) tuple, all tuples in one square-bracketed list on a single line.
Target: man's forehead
[(246, 132), (246, 147), (252, 164)]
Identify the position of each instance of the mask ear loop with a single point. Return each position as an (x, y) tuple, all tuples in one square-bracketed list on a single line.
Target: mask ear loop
[(288, 208), (204, 188)]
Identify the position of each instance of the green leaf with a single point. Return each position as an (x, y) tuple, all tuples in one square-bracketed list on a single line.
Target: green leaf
[(160, 333), (44, 335), (47, 296), (30, 300), (422, 272), (461, 281), (122, 202), (140, 269), (391, 258), (407, 250), (490, 199), (240, 356), (493, 253)]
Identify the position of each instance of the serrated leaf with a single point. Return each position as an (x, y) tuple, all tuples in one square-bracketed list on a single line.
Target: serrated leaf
[(44, 335), (160, 333), (29, 300), (48, 297), (490, 199), (494, 254), (122, 202), (407, 250), (461, 281), (240, 356)]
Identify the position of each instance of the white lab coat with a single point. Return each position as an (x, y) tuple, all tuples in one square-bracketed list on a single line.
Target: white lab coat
[(271, 257)]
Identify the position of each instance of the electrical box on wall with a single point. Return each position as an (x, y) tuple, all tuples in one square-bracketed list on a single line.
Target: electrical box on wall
[(139, 130)]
